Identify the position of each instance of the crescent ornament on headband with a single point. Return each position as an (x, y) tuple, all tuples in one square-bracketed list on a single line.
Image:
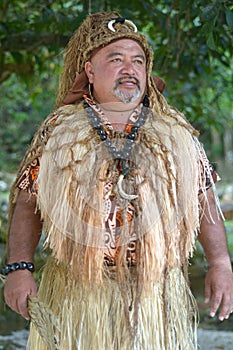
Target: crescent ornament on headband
[(121, 20)]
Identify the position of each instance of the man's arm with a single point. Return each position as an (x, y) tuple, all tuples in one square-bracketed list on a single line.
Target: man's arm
[(25, 231), (219, 278)]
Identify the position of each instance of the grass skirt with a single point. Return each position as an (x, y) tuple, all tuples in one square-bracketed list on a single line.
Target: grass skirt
[(69, 315)]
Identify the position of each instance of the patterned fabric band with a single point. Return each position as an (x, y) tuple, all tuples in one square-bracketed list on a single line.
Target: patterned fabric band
[(17, 266)]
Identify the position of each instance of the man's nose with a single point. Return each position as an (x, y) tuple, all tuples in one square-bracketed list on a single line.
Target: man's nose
[(128, 68)]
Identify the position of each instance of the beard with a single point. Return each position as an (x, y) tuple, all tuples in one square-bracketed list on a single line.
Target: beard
[(127, 96)]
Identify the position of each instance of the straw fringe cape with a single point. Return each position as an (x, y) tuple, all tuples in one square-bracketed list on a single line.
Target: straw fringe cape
[(83, 304)]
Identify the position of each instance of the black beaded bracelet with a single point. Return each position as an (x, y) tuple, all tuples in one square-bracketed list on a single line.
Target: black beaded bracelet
[(17, 266)]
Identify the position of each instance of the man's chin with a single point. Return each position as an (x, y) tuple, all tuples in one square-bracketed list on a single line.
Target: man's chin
[(126, 96)]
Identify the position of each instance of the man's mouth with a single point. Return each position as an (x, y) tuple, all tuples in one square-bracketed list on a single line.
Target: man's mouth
[(131, 82)]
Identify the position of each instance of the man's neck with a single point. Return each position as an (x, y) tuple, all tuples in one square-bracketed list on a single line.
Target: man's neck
[(118, 117)]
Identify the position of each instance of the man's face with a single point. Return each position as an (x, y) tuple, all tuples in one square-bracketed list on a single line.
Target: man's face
[(118, 72)]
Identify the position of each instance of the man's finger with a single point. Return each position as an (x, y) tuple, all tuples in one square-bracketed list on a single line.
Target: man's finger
[(207, 293), (23, 307), (226, 308), (215, 304)]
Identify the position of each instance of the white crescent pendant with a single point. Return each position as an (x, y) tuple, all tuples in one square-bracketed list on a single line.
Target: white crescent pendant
[(122, 192), (113, 21)]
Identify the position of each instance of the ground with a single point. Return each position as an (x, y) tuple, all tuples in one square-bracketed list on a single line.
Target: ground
[(215, 340)]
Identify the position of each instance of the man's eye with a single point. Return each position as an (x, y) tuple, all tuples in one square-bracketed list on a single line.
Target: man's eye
[(117, 59), (139, 62)]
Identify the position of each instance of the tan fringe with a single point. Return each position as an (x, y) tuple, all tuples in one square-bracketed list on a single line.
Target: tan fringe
[(167, 207), (92, 317)]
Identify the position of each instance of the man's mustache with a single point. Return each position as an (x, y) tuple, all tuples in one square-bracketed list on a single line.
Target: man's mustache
[(127, 78)]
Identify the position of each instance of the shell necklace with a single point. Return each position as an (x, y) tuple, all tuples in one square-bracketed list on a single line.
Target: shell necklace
[(124, 153)]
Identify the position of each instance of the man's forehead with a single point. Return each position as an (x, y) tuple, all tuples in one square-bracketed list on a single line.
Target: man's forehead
[(120, 45), (124, 43)]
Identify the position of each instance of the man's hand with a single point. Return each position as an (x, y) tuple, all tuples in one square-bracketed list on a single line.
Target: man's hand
[(219, 291), (219, 278), (19, 285)]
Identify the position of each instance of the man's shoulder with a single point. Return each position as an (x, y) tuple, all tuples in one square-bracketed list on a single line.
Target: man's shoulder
[(173, 118), (67, 110)]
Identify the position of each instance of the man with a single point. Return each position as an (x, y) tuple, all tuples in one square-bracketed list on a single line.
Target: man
[(122, 186)]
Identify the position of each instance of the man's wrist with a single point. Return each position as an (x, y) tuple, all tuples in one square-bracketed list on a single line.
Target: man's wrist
[(22, 265), (221, 263)]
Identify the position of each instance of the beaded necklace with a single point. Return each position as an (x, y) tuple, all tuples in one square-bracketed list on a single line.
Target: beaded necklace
[(125, 153)]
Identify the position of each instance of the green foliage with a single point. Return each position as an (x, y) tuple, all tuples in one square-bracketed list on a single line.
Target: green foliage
[(24, 106)]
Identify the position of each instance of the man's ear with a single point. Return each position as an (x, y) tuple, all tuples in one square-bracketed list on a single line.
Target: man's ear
[(89, 71)]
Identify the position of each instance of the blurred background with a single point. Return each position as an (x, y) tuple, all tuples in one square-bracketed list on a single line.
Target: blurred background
[(193, 46)]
